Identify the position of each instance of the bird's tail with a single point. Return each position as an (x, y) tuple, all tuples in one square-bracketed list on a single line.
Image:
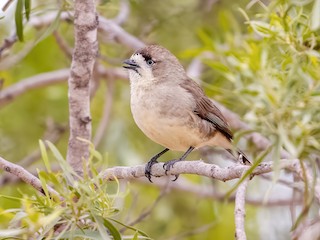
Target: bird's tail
[(240, 156)]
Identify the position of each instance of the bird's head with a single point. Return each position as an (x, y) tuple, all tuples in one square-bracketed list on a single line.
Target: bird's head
[(152, 64)]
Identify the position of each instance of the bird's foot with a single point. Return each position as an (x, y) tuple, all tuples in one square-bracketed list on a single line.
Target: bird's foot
[(168, 165), (242, 158), (147, 171)]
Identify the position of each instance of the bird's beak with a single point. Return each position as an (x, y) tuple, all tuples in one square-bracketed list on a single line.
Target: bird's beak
[(130, 64)]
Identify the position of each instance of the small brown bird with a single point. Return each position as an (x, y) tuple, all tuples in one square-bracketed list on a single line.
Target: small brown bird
[(172, 109)]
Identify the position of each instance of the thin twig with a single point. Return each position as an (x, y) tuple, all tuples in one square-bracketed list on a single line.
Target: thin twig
[(123, 13), (292, 185), (192, 232), (11, 60), (44, 79), (10, 93), (106, 113), (240, 210), (208, 192), (147, 212), (63, 44), (117, 34), (7, 5), (8, 43), (53, 134), (25, 176)]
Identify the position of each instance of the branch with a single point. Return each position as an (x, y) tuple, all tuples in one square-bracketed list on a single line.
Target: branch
[(214, 171), (113, 73), (196, 167), (116, 33), (84, 55), (240, 211), (25, 176), (10, 93), (63, 45), (8, 43), (205, 191), (11, 60), (110, 27), (53, 134), (123, 12), (100, 132)]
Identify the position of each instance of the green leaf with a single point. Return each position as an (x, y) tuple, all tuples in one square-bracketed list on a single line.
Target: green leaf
[(11, 198), (113, 230), (101, 229), (44, 155), (27, 7), (19, 19), (68, 172), (217, 66), (205, 38), (250, 170), (42, 177), (262, 28), (53, 26), (315, 17), (135, 237), (129, 227)]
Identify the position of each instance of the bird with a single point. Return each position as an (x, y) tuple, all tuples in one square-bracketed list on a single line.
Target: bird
[(172, 109)]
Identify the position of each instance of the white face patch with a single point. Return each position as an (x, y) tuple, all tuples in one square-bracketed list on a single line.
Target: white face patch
[(144, 75)]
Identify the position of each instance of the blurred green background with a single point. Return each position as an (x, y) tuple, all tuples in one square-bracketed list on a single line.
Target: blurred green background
[(267, 71)]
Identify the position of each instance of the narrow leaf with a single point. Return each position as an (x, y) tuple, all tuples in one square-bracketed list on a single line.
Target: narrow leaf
[(114, 232), (19, 19), (129, 227), (135, 237), (67, 170), (250, 170), (101, 229), (44, 155), (27, 7), (53, 26), (43, 181)]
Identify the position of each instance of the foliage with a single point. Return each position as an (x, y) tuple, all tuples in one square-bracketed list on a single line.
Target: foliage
[(84, 208), (261, 61), (274, 68)]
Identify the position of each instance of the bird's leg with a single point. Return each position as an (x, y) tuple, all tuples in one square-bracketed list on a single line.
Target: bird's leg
[(243, 158), (240, 156), (153, 160), (168, 165)]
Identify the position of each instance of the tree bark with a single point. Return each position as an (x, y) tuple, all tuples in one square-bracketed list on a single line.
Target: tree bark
[(84, 55)]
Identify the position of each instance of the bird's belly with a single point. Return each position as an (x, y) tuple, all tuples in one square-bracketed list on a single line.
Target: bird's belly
[(169, 131)]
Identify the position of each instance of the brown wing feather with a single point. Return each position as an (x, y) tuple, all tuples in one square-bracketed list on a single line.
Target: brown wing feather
[(206, 110)]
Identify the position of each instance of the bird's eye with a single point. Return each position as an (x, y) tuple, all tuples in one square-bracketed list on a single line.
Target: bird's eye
[(150, 62)]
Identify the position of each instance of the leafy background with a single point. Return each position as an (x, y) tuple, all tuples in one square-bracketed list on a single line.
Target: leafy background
[(260, 61)]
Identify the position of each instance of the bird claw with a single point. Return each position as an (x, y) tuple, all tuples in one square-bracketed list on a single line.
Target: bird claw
[(168, 165), (175, 177), (147, 171)]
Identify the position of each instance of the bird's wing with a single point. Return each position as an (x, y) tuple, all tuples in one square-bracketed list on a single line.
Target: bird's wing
[(206, 110)]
